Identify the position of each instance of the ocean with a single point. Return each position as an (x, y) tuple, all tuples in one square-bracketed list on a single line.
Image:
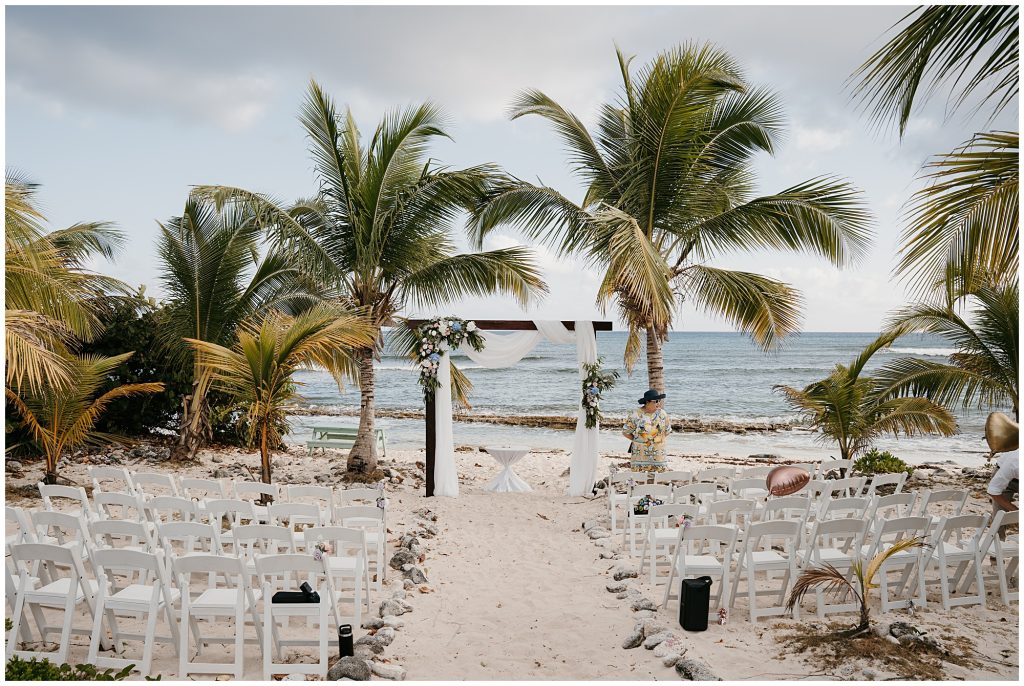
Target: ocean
[(710, 376)]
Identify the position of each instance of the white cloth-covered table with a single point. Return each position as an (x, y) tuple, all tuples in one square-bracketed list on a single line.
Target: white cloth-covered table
[(508, 481)]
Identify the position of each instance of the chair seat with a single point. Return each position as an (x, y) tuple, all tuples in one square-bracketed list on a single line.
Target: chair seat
[(221, 599), (768, 556), (830, 555), (666, 535), (343, 563), (55, 593), (137, 595), (701, 563)]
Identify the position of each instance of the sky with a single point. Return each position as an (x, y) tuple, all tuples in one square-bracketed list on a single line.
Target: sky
[(117, 111)]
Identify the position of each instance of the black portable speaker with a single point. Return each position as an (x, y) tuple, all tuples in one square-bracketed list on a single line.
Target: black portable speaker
[(694, 603)]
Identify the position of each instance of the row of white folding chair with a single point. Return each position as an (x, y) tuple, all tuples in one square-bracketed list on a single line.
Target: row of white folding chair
[(1005, 556)]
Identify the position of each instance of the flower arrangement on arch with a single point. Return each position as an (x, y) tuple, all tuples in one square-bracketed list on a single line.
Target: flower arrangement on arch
[(596, 382), (435, 338)]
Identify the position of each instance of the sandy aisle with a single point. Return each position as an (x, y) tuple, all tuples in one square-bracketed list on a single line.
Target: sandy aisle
[(512, 601)]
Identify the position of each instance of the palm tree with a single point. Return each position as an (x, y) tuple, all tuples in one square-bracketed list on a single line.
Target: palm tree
[(257, 371), (64, 416), (834, 581), (378, 231), (50, 299), (669, 188), (963, 225), (983, 372), (215, 278), (853, 410)]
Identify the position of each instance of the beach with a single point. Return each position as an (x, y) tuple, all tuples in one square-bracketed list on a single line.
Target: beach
[(518, 591)]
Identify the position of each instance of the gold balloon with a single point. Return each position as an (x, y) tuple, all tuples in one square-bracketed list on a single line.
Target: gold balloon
[(1001, 433)]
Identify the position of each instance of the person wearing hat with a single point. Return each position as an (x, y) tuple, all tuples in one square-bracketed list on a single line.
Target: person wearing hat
[(1001, 433), (647, 427)]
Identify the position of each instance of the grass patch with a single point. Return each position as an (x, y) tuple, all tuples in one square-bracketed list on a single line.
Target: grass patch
[(828, 651)]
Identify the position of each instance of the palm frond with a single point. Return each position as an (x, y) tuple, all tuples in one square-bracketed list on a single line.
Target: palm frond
[(899, 546), (508, 270), (824, 575)]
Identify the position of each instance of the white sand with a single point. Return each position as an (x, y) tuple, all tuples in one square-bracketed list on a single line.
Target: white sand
[(520, 591)]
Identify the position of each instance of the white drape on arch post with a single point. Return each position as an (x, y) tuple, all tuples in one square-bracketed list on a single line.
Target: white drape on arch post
[(504, 350)]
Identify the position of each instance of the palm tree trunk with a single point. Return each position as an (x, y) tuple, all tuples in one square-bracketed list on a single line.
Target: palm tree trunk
[(50, 477), (362, 458), (195, 429), (265, 470), (655, 361)]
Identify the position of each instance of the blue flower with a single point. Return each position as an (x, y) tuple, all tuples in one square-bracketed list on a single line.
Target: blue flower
[(594, 390), (434, 357), (456, 326)]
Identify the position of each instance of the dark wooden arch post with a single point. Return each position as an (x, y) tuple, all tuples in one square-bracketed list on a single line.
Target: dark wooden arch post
[(484, 325)]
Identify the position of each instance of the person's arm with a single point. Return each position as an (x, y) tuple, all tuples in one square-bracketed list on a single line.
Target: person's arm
[(1003, 502), (628, 428)]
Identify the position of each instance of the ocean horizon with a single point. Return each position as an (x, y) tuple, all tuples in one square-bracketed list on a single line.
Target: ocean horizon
[(710, 377)]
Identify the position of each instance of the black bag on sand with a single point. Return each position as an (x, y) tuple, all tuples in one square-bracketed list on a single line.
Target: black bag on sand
[(694, 603)]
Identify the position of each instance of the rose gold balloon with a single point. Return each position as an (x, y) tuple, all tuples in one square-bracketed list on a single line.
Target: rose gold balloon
[(786, 480)]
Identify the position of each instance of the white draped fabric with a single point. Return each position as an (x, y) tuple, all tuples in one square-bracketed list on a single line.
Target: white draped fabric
[(504, 350)]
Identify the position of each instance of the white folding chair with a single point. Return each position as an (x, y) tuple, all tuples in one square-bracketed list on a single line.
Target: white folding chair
[(62, 529), (836, 542), (893, 506), (703, 550), (635, 522), (321, 496), (676, 478), (938, 504), (348, 497), (719, 475), (62, 592), (234, 511), (169, 508), (235, 599), (297, 517), (661, 534), (907, 562), (371, 521), (965, 552), (257, 491), (202, 489), (181, 539), (878, 481), (150, 484), (110, 480), (150, 600), (347, 562), (748, 488), (809, 467), (1005, 555), (842, 466), (760, 472), (287, 572), (78, 505), (251, 540), (701, 493), (618, 493), (735, 512), (16, 518), (759, 554), (116, 505)]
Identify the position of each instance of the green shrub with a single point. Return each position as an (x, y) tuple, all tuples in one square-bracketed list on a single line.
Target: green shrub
[(879, 462), (44, 670)]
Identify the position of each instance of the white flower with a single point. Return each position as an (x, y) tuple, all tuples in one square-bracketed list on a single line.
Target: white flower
[(471, 326)]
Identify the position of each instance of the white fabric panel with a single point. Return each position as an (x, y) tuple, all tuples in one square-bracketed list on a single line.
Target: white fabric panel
[(446, 476), (583, 466), (508, 481), (504, 349), (554, 331)]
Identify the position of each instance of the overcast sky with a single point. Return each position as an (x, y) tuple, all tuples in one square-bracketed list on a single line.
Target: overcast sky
[(116, 111)]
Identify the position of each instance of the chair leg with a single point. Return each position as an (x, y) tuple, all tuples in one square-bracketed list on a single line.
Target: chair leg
[(65, 634), (97, 626)]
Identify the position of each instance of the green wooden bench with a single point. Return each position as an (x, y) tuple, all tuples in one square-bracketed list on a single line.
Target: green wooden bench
[(342, 437)]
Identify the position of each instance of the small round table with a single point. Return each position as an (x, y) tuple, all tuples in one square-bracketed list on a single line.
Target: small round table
[(507, 481)]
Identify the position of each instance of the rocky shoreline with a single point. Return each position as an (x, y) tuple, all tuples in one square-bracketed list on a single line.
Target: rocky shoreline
[(543, 421)]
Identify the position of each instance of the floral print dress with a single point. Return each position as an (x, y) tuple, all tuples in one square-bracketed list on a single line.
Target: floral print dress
[(649, 431)]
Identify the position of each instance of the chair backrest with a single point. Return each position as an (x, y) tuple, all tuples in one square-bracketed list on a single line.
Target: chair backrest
[(62, 527), (711, 539), (114, 533), (169, 508), (15, 517), (625, 477), (740, 488), (959, 526), (51, 556), (110, 480), (758, 472), (661, 492), (660, 516), (719, 474), (730, 511), (200, 489), (766, 534), (845, 535), (891, 530), (110, 562), (115, 505), (829, 488), (76, 494), (149, 484), (677, 478), (295, 514), (180, 538), (891, 506), (358, 496), (843, 466), (262, 539), (360, 516), (841, 508), (235, 510), (790, 507), (702, 492), (318, 495), (255, 489), (809, 467), (289, 570), (956, 498), (212, 568), (343, 539), (879, 480), (1002, 518)]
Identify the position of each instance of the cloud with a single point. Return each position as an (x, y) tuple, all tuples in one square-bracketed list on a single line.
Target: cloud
[(62, 76), (818, 140)]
